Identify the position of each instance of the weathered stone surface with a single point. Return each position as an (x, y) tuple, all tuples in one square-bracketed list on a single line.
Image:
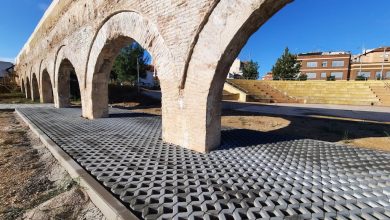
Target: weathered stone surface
[(193, 44)]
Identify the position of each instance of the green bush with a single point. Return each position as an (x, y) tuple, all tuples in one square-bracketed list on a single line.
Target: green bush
[(302, 77), (119, 93), (361, 78), (331, 78)]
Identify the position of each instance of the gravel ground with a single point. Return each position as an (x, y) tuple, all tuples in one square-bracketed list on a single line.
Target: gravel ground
[(32, 184)]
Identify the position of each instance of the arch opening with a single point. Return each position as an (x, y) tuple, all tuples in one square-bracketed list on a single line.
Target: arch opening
[(22, 88), (28, 88), (35, 88), (120, 68), (114, 35), (68, 85), (47, 88), (222, 38)]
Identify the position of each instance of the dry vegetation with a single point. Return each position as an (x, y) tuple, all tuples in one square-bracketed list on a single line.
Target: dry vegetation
[(32, 184), (14, 98)]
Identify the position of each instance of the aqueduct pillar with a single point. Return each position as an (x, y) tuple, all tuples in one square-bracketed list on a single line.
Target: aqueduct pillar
[(193, 43)]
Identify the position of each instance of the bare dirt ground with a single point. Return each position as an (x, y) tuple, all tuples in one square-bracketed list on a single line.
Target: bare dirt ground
[(359, 134), (32, 184), (354, 133)]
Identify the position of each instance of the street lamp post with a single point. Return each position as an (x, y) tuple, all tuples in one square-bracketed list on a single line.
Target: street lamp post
[(383, 62)]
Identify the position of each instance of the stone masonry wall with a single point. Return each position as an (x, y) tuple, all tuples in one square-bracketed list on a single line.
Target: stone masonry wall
[(193, 44)]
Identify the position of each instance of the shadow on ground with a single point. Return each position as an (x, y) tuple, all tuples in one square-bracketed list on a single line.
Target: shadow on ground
[(257, 175), (331, 130)]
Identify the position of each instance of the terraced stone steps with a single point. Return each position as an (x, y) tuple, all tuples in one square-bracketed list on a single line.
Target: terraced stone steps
[(264, 93), (382, 92), (318, 92), (230, 96)]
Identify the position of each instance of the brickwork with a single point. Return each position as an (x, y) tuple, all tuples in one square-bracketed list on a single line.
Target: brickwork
[(320, 67), (372, 64), (193, 44)]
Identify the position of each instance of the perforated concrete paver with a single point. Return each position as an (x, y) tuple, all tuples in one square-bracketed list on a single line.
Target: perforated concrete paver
[(15, 106), (252, 176)]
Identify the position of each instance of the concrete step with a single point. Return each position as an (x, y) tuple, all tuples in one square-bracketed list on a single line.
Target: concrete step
[(341, 92), (342, 102), (349, 96)]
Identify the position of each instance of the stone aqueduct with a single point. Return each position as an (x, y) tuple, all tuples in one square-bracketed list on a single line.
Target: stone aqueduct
[(192, 42)]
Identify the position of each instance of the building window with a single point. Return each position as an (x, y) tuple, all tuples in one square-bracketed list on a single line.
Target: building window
[(325, 64), (364, 74), (337, 75), (311, 64), (323, 75), (388, 75), (311, 75), (378, 75), (337, 63)]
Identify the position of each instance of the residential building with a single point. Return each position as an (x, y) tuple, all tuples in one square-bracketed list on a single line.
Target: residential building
[(6, 68), (321, 65), (150, 79), (372, 64), (268, 76), (235, 71)]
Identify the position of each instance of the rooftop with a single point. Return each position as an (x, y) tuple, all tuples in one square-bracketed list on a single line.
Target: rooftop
[(325, 53)]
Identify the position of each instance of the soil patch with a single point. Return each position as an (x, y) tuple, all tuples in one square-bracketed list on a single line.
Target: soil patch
[(32, 184), (355, 133)]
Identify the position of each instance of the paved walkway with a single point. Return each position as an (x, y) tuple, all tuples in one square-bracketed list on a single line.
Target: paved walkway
[(253, 175), (15, 106), (369, 113)]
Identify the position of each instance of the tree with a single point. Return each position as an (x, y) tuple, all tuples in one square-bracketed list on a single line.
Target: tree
[(250, 70), (287, 66), (125, 65)]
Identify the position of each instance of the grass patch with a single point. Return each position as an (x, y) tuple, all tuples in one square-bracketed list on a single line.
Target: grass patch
[(15, 98), (346, 138)]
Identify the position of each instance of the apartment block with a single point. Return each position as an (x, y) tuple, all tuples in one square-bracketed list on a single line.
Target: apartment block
[(371, 64), (321, 65)]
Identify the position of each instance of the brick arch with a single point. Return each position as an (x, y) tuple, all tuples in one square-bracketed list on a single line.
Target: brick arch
[(40, 72), (22, 88), (120, 30), (225, 33), (35, 87), (62, 81), (31, 72), (46, 87), (193, 43), (28, 87), (56, 63)]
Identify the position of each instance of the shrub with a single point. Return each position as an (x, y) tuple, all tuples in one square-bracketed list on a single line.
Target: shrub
[(331, 78), (361, 78)]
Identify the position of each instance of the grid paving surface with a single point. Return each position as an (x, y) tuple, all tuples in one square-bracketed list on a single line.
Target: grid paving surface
[(252, 176), (14, 106)]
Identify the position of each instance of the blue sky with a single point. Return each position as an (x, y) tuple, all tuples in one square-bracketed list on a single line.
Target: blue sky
[(327, 25), (303, 26), (18, 19)]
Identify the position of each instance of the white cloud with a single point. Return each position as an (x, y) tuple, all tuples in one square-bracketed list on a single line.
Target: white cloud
[(7, 59)]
